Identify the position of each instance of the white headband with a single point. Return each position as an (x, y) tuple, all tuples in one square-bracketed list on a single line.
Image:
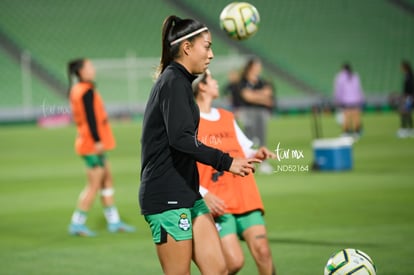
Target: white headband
[(178, 40)]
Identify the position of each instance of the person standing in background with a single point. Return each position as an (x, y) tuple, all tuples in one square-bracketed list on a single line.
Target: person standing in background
[(255, 103), (349, 96), (93, 140), (231, 89), (406, 101), (235, 202)]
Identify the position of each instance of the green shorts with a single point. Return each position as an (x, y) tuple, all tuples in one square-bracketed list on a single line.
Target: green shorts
[(93, 161), (237, 224), (176, 222)]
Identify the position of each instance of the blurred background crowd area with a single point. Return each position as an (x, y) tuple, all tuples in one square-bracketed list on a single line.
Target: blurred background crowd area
[(302, 45)]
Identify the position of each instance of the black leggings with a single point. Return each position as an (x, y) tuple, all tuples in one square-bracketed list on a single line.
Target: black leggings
[(406, 120)]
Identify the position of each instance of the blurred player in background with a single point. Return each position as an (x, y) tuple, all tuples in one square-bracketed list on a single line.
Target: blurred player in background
[(234, 201), (93, 140), (255, 98), (181, 225), (231, 90), (406, 102), (349, 96)]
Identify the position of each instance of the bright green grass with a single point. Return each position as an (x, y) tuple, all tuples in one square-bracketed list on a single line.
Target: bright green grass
[(309, 215)]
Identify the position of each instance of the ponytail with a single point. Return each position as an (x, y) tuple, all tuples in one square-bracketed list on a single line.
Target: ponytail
[(73, 71), (168, 52), (174, 31)]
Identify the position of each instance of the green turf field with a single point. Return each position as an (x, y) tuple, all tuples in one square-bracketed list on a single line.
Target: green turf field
[(309, 215)]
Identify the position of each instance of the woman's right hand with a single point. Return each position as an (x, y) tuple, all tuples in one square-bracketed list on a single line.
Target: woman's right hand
[(215, 204), (243, 167), (99, 148)]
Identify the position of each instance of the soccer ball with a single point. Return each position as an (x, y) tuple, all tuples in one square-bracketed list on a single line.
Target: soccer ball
[(350, 261), (240, 20)]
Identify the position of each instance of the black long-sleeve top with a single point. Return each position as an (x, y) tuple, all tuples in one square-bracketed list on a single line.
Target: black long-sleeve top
[(408, 85), (90, 114), (170, 149), (245, 84)]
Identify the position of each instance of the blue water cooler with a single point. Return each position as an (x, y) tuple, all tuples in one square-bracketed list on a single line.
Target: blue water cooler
[(333, 154)]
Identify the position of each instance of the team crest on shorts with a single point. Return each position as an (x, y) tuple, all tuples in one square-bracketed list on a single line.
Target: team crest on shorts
[(184, 223)]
